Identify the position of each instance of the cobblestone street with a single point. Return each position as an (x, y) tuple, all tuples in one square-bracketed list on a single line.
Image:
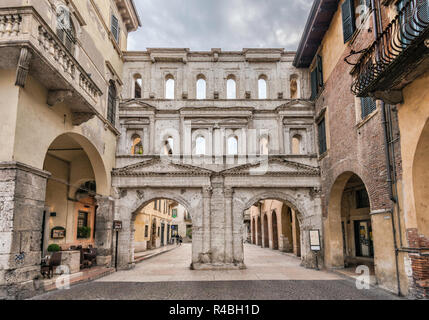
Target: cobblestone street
[(270, 275)]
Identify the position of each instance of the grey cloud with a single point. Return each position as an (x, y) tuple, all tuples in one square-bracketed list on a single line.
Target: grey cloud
[(226, 24)]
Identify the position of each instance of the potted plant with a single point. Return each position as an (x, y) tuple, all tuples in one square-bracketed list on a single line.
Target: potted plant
[(83, 232), (54, 248)]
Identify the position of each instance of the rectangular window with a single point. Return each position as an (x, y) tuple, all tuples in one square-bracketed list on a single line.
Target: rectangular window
[(82, 225), (115, 28), (146, 231), (362, 199), (349, 23), (368, 106), (322, 136), (317, 78)]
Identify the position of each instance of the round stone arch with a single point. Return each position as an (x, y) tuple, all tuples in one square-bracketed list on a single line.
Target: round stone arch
[(97, 163), (135, 200), (333, 239), (308, 220)]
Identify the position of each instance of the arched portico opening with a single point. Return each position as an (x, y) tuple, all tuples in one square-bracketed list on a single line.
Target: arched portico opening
[(76, 198), (348, 227), (277, 224), (160, 222)]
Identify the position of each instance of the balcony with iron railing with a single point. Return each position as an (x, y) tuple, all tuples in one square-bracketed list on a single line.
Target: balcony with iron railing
[(398, 56), (29, 45)]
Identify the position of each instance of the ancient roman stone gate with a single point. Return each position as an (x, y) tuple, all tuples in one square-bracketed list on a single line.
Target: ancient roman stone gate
[(216, 132)]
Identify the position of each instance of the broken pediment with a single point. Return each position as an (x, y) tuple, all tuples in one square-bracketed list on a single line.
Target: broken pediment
[(273, 166), (160, 166)]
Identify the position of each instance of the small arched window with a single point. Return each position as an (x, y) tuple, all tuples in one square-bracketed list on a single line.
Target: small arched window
[(201, 88), (262, 88), (294, 87), (137, 147), (169, 146), (111, 103), (233, 146), (169, 87), (231, 88), (296, 144), (65, 28), (138, 86), (200, 146), (264, 146)]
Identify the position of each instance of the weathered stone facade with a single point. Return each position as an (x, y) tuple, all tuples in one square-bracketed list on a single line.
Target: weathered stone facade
[(216, 187)]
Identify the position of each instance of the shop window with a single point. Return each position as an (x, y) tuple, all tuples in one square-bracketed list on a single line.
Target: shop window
[(83, 231), (146, 231)]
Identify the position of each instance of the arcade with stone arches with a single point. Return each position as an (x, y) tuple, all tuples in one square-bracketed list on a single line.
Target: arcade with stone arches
[(217, 202)]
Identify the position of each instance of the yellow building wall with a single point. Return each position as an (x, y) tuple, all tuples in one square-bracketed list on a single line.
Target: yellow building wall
[(413, 115), (8, 106)]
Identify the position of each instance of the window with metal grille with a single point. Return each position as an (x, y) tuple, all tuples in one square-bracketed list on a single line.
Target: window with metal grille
[(368, 106), (322, 136), (362, 199), (115, 28), (111, 104)]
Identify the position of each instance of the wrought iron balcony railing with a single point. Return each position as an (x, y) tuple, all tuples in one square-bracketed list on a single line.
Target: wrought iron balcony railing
[(394, 47)]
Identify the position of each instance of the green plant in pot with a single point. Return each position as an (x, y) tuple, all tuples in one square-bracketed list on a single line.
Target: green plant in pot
[(83, 232), (54, 248)]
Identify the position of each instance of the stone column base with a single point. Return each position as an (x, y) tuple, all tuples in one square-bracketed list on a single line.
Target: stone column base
[(218, 266)]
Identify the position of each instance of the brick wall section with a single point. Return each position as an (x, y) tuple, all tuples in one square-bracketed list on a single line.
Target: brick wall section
[(420, 264)]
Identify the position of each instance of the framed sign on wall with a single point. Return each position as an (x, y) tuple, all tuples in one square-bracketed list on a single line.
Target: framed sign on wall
[(315, 240)]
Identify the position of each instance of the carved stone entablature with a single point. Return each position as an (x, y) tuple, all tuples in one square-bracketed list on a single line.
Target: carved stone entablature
[(296, 105), (158, 166), (273, 167), (133, 104), (136, 123), (79, 118), (58, 96)]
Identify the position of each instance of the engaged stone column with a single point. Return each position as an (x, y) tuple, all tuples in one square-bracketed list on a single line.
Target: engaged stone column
[(207, 194), (22, 202), (229, 254), (103, 231)]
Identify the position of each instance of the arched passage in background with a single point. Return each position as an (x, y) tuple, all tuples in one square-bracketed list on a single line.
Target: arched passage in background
[(280, 228), (348, 228), (275, 231), (77, 175), (266, 243)]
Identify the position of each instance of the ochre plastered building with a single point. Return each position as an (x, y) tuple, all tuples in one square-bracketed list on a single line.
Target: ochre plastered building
[(61, 75)]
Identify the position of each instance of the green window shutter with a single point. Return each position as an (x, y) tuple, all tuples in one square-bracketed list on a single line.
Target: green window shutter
[(319, 71), (115, 28), (322, 137), (349, 23), (314, 84)]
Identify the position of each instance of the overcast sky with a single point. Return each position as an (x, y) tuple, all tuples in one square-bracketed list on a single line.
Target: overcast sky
[(226, 24)]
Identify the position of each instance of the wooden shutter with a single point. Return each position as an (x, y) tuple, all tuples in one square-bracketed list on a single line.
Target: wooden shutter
[(349, 23), (314, 84), (115, 28), (111, 105), (322, 137), (319, 71)]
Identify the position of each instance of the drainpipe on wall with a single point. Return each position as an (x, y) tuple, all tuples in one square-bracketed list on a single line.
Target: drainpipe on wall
[(378, 24)]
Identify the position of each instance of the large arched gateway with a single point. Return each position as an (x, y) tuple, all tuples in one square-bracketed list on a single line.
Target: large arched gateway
[(223, 155)]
